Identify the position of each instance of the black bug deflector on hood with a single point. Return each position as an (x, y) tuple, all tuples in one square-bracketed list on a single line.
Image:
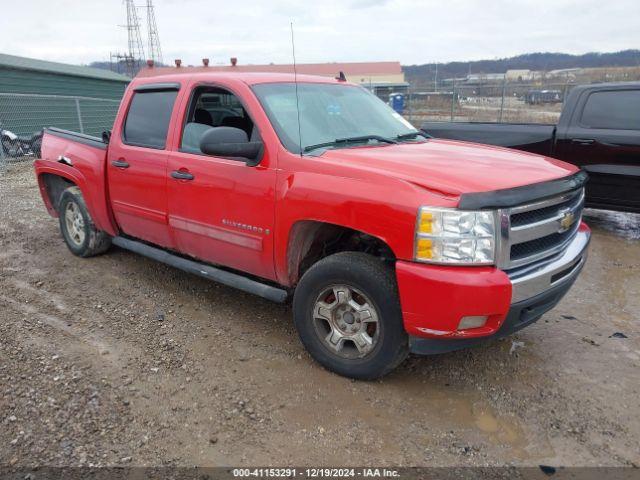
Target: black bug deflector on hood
[(524, 194)]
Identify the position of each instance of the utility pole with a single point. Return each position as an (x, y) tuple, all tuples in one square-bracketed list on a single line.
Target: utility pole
[(435, 79), (121, 58), (155, 51)]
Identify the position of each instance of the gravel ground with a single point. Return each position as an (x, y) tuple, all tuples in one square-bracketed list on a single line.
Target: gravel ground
[(117, 360)]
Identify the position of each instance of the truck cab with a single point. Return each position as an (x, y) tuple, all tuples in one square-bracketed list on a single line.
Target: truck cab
[(312, 190)]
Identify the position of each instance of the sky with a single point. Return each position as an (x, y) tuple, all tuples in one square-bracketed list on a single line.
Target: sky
[(409, 31)]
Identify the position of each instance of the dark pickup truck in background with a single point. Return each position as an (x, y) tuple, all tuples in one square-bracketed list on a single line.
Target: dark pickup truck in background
[(598, 130)]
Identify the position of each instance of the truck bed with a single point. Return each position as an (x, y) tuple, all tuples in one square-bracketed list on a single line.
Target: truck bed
[(83, 138), (533, 138)]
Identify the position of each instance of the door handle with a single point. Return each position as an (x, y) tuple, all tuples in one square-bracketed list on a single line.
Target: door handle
[(583, 141), (181, 175), (120, 163)]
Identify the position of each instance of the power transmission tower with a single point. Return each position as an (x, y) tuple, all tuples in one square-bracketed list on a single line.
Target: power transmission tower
[(154, 39), (135, 56)]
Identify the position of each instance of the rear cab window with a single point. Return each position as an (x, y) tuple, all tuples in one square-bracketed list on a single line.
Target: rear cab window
[(148, 118), (613, 109)]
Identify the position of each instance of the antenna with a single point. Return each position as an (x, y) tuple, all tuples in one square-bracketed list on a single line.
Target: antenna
[(295, 81)]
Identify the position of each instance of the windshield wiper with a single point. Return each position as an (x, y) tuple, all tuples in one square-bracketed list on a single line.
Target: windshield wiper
[(412, 135), (340, 141)]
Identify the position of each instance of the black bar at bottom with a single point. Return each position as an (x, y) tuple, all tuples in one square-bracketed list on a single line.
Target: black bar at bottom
[(203, 270)]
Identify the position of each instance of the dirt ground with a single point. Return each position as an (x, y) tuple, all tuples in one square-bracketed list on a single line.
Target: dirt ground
[(117, 360)]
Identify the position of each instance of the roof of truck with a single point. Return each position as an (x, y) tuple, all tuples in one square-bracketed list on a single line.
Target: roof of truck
[(323, 69), (250, 78), (607, 86)]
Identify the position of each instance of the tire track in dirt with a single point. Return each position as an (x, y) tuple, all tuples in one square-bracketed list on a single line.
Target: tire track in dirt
[(82, 340)]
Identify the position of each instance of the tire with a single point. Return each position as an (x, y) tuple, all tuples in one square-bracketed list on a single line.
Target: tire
[(36, 147), (364, 340), (9, 147), (78, 230)]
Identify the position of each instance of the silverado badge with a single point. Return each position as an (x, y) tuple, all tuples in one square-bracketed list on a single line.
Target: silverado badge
[(567, 219)]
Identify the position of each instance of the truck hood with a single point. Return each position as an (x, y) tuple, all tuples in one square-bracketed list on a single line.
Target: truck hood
[(453, 167)]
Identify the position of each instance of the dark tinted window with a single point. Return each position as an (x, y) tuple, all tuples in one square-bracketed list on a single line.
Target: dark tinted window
[(148, 119), (614, 109)]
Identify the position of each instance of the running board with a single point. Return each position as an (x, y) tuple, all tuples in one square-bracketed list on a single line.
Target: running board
[(203, 270)]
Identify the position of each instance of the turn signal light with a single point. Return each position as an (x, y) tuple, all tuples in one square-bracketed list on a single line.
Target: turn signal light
[(424, 248), (425, 222)]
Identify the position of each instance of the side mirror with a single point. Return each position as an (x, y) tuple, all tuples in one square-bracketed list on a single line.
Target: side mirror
[(230, 142)]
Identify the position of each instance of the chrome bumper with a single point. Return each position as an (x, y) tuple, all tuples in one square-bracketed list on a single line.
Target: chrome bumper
[(535, 279)]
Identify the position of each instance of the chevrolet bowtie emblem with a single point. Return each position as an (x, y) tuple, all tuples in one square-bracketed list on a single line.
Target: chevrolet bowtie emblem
[(566, 221)]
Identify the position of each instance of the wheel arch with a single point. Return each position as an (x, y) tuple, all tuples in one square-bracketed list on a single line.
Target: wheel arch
[(312, 240), (53, 181), (52, 185)]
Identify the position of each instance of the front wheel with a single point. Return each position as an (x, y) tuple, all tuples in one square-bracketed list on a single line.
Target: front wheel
[(9, 147), (79, 233), (347, 313)]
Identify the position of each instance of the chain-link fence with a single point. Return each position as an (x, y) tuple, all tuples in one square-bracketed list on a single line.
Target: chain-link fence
[(491, 102), (23, 116)]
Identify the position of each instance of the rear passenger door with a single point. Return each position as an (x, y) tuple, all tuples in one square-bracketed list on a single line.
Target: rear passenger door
[(604, 139), (137, 164)]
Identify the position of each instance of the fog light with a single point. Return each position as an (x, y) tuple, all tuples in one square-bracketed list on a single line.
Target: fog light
[(472, 322)]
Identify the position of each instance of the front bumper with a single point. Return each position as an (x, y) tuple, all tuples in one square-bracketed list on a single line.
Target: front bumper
[(434, 298)]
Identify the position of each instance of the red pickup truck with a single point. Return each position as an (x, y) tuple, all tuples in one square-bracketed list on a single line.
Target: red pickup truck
[(386, 241)]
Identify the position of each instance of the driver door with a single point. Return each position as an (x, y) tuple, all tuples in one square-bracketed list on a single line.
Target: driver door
[(220, 210)]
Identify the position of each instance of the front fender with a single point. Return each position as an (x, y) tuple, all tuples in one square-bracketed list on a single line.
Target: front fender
[(384, 209)]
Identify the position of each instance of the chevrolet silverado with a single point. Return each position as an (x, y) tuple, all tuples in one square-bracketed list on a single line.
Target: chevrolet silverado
[(312, 190)]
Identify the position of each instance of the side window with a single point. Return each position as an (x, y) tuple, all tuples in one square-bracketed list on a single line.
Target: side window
[(614, 109), (213, 107), (148, 118)]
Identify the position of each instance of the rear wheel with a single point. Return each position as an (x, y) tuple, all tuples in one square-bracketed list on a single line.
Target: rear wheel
[(79, 233), (348, 316)]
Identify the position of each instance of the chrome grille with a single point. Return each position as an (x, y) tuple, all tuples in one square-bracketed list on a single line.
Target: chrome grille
[(544, 213), (535, 231)]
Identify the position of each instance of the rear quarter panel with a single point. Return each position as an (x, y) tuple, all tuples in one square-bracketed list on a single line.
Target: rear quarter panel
[(87, 171)]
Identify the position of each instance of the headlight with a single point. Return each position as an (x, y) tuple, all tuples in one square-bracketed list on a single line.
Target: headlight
[(452, 236)]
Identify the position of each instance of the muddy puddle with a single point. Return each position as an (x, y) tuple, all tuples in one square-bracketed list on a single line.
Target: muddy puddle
[(621, 224)]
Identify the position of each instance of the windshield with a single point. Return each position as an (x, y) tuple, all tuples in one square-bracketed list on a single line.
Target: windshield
[(331, 116)]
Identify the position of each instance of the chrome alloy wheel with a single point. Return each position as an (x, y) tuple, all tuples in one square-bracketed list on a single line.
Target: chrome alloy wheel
[(346, 321), (75, 223)]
